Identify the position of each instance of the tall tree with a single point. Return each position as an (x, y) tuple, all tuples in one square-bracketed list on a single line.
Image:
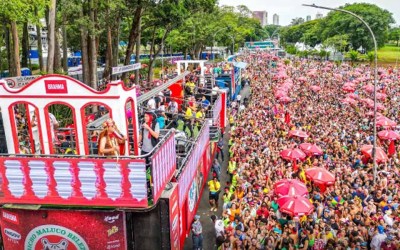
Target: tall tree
[(51, 36), (341, 23)]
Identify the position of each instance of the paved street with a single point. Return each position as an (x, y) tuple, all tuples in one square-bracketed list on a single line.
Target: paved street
[(204, 207)]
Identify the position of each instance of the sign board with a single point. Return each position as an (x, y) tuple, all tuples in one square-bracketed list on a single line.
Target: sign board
[(126, 68), (20, 81), (49, 229), (56, 86)]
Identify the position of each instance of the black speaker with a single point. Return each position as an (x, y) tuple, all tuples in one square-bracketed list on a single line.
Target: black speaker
[(3, 142)]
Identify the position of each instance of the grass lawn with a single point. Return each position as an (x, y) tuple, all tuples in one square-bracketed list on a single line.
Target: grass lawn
[(389, 54)]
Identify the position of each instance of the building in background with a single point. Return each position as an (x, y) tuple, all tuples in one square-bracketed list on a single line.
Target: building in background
[(275, 19), (262, 16), (319, 16), (308, 18)]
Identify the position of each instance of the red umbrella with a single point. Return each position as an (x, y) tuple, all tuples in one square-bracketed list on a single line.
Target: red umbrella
[(320, 176), (311, 149), (298, 133), (315, 88), (293, 154), (380, 154), (295, 205), (385, 122), (290, 187), (388, 135)]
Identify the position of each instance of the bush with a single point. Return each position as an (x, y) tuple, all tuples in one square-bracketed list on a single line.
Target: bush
[(34, 67)]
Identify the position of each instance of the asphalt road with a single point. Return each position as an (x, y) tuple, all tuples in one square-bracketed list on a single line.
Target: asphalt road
[(204, 207)]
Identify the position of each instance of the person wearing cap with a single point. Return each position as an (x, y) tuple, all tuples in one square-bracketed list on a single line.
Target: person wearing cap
[(379, 237), (197, 233), (150, 132), (388, 244)]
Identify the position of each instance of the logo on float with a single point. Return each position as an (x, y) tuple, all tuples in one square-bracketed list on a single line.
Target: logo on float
[(54, 237), (56, 86), (13, 235), (10, 217)]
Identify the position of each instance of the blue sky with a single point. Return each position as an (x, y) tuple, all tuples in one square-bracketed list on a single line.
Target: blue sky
[(289, 9)]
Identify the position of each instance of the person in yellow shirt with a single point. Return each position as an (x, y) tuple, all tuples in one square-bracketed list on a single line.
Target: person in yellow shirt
[(214, 189), (189, 120), (200, 116), (189, 87)]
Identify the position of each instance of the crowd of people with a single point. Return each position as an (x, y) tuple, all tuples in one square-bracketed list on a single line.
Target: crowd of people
[(357, 211)]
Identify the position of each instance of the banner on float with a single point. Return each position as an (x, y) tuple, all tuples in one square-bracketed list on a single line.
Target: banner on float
[(185, 181), (62, 229), (126, 68), (163, 164), (20, 81)]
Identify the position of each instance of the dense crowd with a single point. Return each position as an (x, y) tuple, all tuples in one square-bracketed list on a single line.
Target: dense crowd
[(355, 212)]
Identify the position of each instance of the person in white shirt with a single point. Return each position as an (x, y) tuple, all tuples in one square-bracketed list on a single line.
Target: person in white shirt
[(151, 104), (388, 218), (378, 238), (53, 125), (219, 230)]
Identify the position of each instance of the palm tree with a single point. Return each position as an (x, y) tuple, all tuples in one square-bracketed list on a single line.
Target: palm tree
[(353, 55)]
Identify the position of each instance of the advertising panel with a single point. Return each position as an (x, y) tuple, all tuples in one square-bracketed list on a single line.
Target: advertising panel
[(195, 191), (185, 180), (174, 219), (74, 182), (62, 229), (20, 81), (163, 164)]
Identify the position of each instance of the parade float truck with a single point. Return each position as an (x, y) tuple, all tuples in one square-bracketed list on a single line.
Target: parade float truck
[(231, 79), (51, 199)]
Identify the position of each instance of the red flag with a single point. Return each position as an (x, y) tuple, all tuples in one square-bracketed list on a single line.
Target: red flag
[(392, 148), (295, 167), (287, 118)]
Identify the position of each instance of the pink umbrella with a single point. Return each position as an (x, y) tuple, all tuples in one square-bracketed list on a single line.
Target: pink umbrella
[(315, 88), (285, 99), (293, 154), (388, 135), (352, 96), (311, 149), (290, 187), (379, 106), (295, 205), (298, 133), (349, 89), (279, 94), (302, 79), (381, 96), (371, 113), (349, 101), (385, 122), (380, 154), (369, 88), (320, 176)]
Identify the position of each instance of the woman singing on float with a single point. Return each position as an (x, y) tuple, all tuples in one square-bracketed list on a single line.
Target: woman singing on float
[(110, 140)]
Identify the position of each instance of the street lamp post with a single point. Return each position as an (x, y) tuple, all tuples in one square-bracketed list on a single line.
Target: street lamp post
[(375, 73)]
